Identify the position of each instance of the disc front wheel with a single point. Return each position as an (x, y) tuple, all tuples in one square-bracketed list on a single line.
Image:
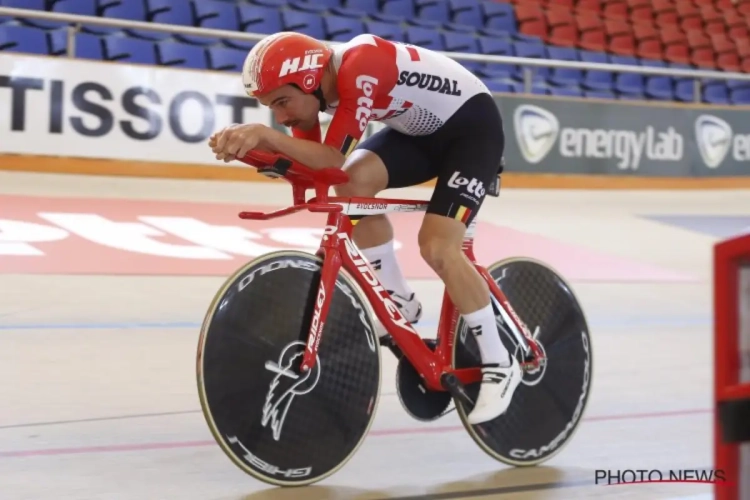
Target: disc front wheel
[(283, 426)]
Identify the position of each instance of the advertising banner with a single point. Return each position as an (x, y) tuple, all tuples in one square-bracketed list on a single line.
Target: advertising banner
[(594, 137), (92, 109)]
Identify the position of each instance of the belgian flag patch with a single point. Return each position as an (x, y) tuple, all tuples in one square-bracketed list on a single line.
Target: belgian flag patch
[(348, 145)]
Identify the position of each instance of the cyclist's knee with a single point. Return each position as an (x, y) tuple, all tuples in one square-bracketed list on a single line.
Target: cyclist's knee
[(367, 175), (440, 242)]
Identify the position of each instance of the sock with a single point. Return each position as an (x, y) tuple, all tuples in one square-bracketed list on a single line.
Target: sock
[(382, 258), (482, 325)]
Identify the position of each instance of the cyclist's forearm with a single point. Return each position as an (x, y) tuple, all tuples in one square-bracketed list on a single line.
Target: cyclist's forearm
[(310, 153)]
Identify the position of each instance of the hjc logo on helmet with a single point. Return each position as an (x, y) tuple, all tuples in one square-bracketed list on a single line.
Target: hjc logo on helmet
[(310, 61)]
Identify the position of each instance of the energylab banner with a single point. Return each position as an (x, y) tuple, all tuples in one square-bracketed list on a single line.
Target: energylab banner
[(585, 137), (78, 108)]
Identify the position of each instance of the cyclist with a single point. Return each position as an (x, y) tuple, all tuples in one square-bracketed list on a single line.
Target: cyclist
[(441, 123)]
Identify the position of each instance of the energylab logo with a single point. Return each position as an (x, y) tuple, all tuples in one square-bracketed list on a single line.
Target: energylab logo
[(536, 131), (714, 138)]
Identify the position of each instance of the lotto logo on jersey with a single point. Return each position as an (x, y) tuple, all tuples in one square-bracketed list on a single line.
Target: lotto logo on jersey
[(364, 103), (297, 64), (472, 186)]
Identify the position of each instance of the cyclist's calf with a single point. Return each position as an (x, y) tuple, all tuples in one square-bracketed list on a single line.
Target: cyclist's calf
[(440, 239)]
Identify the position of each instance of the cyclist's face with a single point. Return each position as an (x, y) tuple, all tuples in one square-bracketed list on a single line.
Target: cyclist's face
[(292, 108)]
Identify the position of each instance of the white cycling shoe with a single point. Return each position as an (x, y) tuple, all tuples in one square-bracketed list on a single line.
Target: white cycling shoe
[(499, 383), (410, 307)]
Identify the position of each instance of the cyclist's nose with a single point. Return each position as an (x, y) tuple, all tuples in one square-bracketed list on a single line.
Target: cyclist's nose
[(281, 117)]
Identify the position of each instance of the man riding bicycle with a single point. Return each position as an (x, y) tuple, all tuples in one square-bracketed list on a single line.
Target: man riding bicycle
[(441, 123)]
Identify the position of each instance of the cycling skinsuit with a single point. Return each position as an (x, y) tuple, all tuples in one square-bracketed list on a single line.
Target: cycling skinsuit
[(441, 120)]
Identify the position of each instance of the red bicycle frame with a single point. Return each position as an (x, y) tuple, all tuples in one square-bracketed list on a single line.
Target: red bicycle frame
[(338, 250)]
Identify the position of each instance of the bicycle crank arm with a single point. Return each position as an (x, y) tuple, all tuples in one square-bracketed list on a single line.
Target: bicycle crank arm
[(453, 385)]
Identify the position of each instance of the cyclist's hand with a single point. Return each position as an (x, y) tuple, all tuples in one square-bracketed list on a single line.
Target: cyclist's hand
[(236, 140)]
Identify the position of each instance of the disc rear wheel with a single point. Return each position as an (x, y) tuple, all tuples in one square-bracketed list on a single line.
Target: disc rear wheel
[(549, 403)]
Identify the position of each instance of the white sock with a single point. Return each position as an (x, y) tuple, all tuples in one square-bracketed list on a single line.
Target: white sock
[(382, 258), (482, 325)]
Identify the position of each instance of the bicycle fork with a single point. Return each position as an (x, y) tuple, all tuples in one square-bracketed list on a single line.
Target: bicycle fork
[(328, 276)]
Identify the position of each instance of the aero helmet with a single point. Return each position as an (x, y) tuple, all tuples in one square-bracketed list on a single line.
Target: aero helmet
[(285, 58)]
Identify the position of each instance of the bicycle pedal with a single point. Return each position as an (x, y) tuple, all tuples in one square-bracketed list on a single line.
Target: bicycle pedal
[(387, 341), (456, 389)]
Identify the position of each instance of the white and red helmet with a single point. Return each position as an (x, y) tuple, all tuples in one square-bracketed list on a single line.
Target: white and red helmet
[(285, 58)]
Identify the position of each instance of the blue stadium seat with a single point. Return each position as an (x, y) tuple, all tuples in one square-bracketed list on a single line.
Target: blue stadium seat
[(563, 76), (400, 8), (181, 55), (497, 47), (24, 4), (504, 24), (270, 3), (596, 79), (303, 22), (78, 7), (741, 96), (132, 10), (179, 12), (58, 41), (717, 93), (135, 10), (169, 12), (258, 19), (423, 37), (23, 39), (131, 50), (499, 86), (342, 29), (318, 6), (466, 12), (684, 90), (492, 8), (532, 51), (30, 5), (460, 42), (87, 46), (660, 88), (356, 8), (737, 84), (225, 59), (433, 10), (386, 31), (499, 16), (629, 84), (216, 15), (462, 28)]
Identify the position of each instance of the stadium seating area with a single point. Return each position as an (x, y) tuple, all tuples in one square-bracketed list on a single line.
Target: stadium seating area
[(711, 34)]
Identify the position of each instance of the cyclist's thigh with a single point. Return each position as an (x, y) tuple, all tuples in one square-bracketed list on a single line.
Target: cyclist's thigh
[(470, 161), (403, 156)]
